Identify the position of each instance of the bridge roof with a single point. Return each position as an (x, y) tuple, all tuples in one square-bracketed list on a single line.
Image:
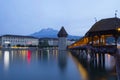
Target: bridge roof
[(106, 24)]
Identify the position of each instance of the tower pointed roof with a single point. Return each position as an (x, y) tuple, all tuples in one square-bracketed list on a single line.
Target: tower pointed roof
[(62, 32)]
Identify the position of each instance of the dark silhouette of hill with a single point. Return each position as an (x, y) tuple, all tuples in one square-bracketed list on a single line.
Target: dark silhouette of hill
[(51, 33)]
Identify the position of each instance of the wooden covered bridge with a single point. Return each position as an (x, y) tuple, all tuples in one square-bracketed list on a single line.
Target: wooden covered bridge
[(94, 45), (96, 37)]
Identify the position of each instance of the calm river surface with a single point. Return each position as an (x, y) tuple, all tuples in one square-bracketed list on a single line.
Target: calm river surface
[(50, 65)]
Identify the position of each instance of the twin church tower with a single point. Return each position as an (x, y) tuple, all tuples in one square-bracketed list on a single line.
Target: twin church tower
[(62, 39)]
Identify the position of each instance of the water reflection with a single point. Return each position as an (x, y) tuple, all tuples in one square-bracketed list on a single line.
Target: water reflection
[(83, 72), (48, 64), (118, 69), (6, 60), (109, 62), (105, 69), (62, 59), (117, 58), (45, 55), (28, 56), (0, 54), (98, 66)]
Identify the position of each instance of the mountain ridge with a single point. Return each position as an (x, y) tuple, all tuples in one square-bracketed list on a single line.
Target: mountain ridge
[(51, 33)]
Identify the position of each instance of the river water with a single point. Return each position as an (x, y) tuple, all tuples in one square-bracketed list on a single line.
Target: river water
[(52, 65)]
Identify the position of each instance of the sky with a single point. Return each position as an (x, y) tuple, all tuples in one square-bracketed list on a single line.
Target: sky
[(24, 17)]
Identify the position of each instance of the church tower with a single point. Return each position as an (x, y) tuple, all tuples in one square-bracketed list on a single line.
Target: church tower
[(62, 39)]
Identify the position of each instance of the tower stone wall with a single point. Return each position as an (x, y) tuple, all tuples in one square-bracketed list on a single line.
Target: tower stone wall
[(62, 45)]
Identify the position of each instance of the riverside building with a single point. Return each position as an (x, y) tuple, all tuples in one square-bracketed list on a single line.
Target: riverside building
[(18, 40), (48, 41)]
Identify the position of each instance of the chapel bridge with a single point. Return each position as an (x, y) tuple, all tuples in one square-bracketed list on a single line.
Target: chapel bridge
[(98, 38), (94, 49)]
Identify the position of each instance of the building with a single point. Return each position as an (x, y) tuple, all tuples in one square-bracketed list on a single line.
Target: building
[(43, 42), (62, 36), (18, 40), (48, 42)]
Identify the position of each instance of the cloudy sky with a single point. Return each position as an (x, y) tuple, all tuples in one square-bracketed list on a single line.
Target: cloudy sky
[(24, 17)]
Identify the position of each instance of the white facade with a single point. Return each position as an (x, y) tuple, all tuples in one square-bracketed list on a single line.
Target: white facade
[(50, 41), (14, 40), (53, 42)]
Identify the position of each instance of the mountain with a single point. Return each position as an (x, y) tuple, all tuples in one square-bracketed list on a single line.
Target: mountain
[(51, 33)]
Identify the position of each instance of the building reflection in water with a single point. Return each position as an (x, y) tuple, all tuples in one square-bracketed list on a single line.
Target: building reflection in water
[(104, 70), (28, 56), (46, 55), (0, 54), (62, 59), (55, 54), (109, 62), (17, 55), (117, 58), (6, 60)]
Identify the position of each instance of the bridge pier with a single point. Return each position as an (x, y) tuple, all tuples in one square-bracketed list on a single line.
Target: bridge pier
[(101, 60), (95, 60), (103, 56), (90, 57)]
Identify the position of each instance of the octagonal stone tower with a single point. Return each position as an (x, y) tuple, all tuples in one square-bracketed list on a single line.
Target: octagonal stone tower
[(62, 38)]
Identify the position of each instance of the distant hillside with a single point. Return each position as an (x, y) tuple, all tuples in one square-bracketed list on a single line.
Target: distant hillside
[(51, 33)]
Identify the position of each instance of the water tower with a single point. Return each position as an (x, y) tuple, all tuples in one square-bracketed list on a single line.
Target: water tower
[(62, 37)]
